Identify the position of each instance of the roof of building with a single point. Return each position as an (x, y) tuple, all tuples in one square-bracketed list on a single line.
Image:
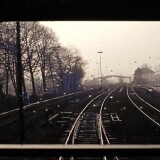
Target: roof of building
[(147, 70), (140, 71)]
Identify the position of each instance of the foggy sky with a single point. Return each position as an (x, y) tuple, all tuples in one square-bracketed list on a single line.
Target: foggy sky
[(125, 45)]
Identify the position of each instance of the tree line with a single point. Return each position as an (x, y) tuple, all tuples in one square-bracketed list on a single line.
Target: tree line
[(47, 65)]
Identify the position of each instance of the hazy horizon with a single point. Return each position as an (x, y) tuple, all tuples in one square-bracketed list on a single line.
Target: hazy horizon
[(125, 45)]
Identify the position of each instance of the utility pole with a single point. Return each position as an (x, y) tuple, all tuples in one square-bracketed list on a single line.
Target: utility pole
[(100, 69), (97, 82), (19, 76)]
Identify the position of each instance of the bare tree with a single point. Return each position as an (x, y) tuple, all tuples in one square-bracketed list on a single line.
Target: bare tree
[(69, 68), (42, 56), (30, 37), (8, 52), (77, 69), (43, 49)]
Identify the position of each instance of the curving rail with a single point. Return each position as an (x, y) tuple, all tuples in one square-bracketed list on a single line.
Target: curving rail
[(88, 127), (149, 111)]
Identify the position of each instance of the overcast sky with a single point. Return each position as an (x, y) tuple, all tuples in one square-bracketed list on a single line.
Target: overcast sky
[(125, 45)]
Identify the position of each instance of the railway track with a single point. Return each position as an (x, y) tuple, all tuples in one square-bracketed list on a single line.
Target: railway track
[(11, 116), (92, 125), (88, 121), (88, 127), (35, 116), (149, 94), (148, 110)]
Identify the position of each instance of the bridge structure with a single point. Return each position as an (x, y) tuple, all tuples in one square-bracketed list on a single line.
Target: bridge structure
[(110, 76), (104, 78), (103, 81)]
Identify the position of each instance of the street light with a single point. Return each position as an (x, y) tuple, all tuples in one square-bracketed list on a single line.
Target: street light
[(100, 68)]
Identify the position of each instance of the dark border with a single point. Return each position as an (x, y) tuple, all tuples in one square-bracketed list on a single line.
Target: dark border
[(79, 10), (82, 10)]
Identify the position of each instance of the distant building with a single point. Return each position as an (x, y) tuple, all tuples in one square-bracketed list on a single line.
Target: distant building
[(144, 75), (148, 75)]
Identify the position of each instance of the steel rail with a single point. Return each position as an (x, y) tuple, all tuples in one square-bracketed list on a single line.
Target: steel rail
[(102, 125), (71, 131), (15, 111), (77, 120), (145, 101), (39, 102), (141, 110)]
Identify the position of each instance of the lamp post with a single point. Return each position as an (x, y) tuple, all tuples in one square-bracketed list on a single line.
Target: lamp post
[(97, 82), (100, 69)]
